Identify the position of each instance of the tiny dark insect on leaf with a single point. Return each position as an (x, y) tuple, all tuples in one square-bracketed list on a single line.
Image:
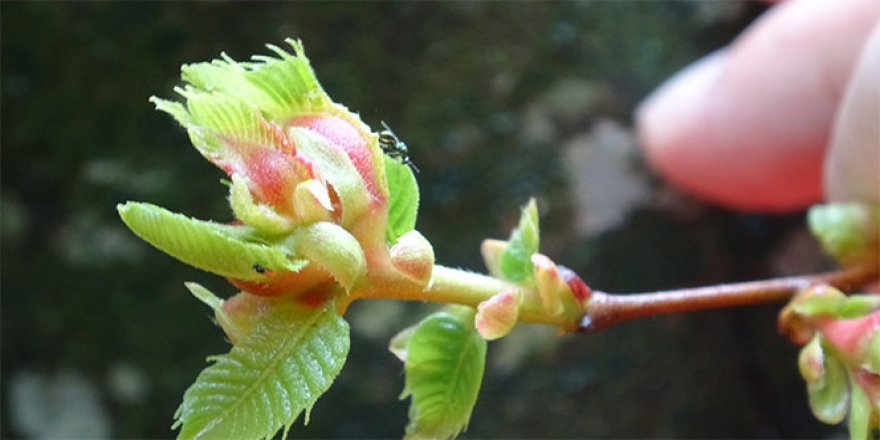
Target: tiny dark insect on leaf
[(394, 147)]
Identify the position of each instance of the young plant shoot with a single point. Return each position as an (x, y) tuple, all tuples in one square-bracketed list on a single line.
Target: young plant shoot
[(324, 211)]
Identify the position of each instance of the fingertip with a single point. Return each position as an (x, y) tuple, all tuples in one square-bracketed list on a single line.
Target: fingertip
[(665, 117), (852, 166), (665, 121), (747, 127), (702, 133)]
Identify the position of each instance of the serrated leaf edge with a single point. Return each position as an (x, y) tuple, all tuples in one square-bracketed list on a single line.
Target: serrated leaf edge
[(277, 358), (473, 338), (142, 218)]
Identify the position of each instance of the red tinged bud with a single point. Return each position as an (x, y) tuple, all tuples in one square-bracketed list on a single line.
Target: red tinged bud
[(580, 289), (850, 336), (287, 283), (347, 138), (270, 173)]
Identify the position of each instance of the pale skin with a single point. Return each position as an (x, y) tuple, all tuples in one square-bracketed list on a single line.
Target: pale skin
[(784, 116)]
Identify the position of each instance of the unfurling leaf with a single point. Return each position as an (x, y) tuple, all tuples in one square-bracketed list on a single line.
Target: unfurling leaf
[(497, 315), (827, 381), (515, 261), (216, 248), (840, 362), (262, 385), (336, 167), (836, 304), (445, 358), (413, 256), (280, 87), (312, 202), (491, 251), (334, 249), (260, 216), (403, 199), (859, 413), (872, 363)]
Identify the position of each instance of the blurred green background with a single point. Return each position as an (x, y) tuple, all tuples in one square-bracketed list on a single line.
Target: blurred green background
[(497, 101)]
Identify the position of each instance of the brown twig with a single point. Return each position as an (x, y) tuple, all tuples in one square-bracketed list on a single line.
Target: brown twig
[(606, 309)]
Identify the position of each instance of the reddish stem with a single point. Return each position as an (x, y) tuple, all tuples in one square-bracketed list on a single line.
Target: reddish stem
[(606, 309)]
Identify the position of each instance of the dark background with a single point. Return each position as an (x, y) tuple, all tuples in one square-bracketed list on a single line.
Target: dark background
[(497, 102)]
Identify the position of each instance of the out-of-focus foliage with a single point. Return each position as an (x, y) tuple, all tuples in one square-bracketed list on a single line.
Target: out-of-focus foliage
[(848, 231), (840, 361), (495, 101)]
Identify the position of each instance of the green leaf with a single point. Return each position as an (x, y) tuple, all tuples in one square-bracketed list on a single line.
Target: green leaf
[(848, 231), (214, 121), (872, 363), (829, 394), (278, 86), (403, 199), (216, 248), (838, 305), (859, 412), (264, 383), (516, 263), (445, 358), (856, 306), (811, 360), (231, 106)]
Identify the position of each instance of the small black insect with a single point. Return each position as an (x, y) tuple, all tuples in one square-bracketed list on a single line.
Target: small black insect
[(394, 147), (258, 268)]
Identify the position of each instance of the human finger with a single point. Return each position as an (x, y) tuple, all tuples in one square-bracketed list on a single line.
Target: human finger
[(747, 126), (852, 168)]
